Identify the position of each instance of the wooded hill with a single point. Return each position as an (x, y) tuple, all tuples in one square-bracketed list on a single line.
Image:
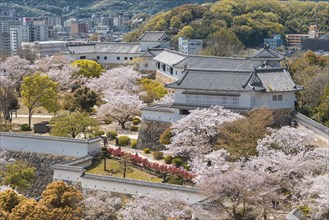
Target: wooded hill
[(250, 20), (85, 8)]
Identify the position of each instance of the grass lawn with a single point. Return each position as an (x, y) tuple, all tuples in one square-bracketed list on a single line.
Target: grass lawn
[(115, 168)]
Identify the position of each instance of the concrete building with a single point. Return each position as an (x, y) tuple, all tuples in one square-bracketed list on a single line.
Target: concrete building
[(316, 44), (78, 28), (16, 36), (189, 46), (295, 40), (274, 42)]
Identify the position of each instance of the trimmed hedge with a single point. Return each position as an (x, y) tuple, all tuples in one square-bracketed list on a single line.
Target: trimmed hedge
[(25, 127), (147, 150), (133, 144), (177, 162), (157, 155), (98, 133), (133, 128), (123, 140), (112, 134), (175, 180), (136, 119), (136, 122), (168, 159)]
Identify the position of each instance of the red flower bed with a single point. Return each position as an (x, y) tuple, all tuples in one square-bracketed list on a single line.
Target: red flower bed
[(155, 167)]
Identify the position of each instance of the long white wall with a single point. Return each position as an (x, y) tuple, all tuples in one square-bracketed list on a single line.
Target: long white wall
[(108, 58), (74, 174), (49, 145)]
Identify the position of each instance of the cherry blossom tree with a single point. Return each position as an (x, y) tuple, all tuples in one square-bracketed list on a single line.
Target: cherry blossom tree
[(287, 139), (158, 206), (101, 205), (120, 105), (64, 77), (195, 133), (15, 68), (57, 61), (121, 78), (206, 166)]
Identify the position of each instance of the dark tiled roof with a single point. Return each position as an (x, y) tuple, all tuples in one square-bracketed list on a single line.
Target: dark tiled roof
[(214, 80), (153, 36), (269, 80), (267, 53), (105, 48), (177, 59), (152, 52)]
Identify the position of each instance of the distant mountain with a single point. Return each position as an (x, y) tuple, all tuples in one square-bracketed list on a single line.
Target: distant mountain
[(84, 8)]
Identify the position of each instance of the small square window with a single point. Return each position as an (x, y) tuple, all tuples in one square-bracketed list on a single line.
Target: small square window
[(279, 97), (126, 58), (131, 58), (146, 65), (275, 98), (118, 58), (97, 57), (105, 58)]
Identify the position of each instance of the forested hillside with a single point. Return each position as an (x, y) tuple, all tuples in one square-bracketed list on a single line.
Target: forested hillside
[(249, 20), (83, 8)]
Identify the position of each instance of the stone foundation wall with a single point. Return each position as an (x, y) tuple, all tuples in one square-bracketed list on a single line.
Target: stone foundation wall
[(163, 78), (149, 134), (42, 163)]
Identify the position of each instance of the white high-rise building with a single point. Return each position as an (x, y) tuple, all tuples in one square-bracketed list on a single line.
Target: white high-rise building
[(16, 35)]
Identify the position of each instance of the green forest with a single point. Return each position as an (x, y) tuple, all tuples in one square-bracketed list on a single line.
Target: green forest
[(85, 8), (250, 20)]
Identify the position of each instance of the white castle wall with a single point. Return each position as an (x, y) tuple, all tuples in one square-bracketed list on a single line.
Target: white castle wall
[(49, 145)]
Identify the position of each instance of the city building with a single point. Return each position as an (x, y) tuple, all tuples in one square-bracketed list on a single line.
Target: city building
[(189, 46), (316, 44), (78, 28), (16, 36), (274, 42), (295, 40)]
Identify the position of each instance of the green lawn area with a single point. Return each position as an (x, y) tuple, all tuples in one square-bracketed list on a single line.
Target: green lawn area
[(115, 168)]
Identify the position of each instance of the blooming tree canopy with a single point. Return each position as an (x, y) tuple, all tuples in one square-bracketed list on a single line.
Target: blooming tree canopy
[(120, 106), (194, 134), (158, 206), (121, 78)]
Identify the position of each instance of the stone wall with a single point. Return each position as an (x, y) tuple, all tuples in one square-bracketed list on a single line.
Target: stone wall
[(150, 132), (163, 78), (42, 163)]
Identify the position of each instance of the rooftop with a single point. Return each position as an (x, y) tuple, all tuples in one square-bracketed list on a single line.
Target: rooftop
[(266, 80), (133, 48), (153, 36)]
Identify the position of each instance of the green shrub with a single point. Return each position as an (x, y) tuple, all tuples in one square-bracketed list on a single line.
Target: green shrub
[(25, 127), (98, 133), (147, 150), (157, 155), (136, 119), (135, 122), (133, 128), (168, 159), (187, 167), (175, 180), (166, 136), (133, 144), (123, 140), (111, 134), (108, 120), (177, 161)]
